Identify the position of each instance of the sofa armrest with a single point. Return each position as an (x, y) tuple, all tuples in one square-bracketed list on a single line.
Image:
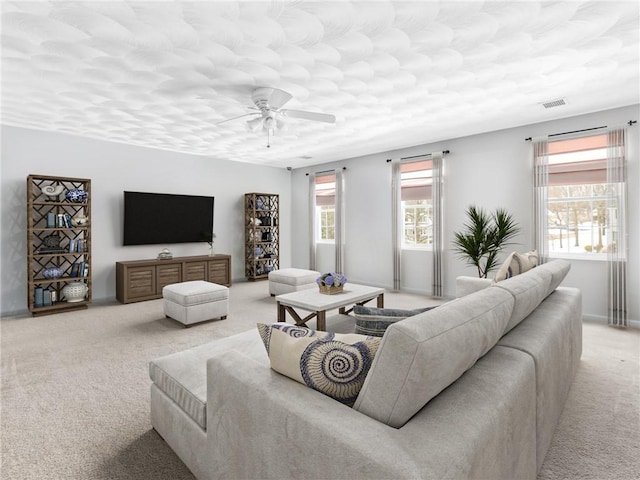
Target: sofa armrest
[(261, 424), (468, 285)]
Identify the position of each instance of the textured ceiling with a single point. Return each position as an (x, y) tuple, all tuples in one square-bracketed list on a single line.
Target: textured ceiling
[(394, 73)]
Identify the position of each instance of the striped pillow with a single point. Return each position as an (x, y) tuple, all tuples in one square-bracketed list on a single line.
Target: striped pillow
[(374, 321), (517, 263)]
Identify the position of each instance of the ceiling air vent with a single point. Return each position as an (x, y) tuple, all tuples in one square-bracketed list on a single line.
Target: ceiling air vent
[(554, 103)]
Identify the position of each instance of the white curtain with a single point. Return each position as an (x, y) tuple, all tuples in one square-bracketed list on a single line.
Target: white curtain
[(438, 248), (339, 220), (540, 196), (312, 221), (396, 220), (617, 312)]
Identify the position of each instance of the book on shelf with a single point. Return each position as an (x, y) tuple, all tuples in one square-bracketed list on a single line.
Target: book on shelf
[(80, 246), (75, 270), (51, 220), (72, 245), (67, 220)]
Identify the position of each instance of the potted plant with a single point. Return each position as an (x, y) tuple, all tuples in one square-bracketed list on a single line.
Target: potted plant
[(209, 237), (484, 236), (330, 283)]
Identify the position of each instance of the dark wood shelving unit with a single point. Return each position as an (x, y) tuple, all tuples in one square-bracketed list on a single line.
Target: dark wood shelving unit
[(39, 206), (262, 234)]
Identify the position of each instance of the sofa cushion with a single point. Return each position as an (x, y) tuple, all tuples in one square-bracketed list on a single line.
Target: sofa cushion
[(515, 264), (528, 291), (552, 335), (182, 376), (375, 321), (422, 355), (334, 367), (558, 269)]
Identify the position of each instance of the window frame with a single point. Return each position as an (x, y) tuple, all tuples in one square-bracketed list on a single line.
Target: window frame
[(325, 183), (573, 163), (417, 179)]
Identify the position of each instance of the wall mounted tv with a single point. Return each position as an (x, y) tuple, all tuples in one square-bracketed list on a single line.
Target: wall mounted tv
[(154, 218)]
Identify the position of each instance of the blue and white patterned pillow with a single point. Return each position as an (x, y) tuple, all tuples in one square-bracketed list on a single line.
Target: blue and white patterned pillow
[(374, 321), (331, 363)]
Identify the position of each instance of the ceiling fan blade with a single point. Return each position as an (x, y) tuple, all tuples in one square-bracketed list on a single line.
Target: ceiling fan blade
[(239, 116), (274, 97), (278, 98), (317, 117)]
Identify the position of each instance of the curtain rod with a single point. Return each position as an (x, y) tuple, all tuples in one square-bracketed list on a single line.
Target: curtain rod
[(444, 152), (325, 171), (630, 122)]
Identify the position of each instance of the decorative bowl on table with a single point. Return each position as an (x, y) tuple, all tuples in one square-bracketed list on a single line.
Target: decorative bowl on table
[(331, 283)]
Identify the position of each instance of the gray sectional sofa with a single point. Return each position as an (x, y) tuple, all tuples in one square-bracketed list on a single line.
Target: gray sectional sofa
[(471, 389)]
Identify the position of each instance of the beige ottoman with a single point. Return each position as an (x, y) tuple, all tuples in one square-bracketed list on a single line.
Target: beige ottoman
[(196, 301), (289, 280)]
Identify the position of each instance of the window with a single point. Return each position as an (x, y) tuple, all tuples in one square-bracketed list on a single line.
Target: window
[(417, 205), (325, 207), (577, 212)]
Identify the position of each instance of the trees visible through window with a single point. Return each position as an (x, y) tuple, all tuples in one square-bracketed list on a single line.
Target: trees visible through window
[(577, 211), (327, 218), (326, 207), (417, 205)]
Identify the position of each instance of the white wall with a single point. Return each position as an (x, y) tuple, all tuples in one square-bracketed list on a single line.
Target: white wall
[(490, 170), (112, 169)]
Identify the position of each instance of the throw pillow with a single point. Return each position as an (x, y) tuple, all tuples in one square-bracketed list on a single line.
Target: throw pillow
[(534, 258), (333, 364), (292, 330), (515, 264), (374, 321)]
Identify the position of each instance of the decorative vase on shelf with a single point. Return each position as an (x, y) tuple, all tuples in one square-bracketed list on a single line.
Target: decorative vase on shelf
[(79, 221), (77, 195), (52, 273), (74, 292)]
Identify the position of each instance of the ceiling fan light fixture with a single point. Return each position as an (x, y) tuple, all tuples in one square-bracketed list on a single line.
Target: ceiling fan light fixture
[(254, 124), (270, 123)]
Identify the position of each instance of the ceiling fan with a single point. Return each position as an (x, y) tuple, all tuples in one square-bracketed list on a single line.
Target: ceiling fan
[(270, 115)]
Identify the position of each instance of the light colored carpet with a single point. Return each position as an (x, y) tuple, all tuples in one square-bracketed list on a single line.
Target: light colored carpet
[(75, 392)]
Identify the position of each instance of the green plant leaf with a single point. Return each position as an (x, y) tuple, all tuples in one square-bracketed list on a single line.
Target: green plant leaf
[(483, 237)]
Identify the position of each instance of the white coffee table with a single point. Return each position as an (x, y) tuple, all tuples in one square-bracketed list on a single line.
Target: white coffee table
[(318, 303)]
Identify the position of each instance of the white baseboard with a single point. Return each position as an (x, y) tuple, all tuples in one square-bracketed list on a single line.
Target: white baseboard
[(602, 319)]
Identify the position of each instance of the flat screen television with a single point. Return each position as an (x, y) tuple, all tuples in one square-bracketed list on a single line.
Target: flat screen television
[(161, 218)]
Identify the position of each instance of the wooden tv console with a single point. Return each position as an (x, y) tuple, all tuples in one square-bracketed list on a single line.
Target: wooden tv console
[(140, 280)]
